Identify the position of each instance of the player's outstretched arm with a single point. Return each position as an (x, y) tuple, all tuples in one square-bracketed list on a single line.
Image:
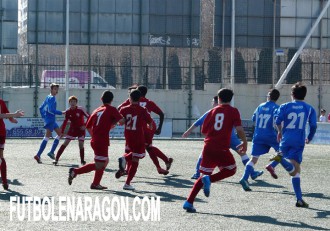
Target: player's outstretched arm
[(18, 113), (187, 133), (161, 120)]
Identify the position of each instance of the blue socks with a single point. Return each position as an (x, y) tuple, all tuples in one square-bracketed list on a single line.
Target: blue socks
[(245, 159), (42, 146), (274, 164), (198, 164), (287, 165), (296, 186), (56, 141), (248, 170)]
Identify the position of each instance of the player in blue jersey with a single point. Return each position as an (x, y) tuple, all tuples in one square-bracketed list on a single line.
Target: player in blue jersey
[(264, 136), (234, 142), (48, 112), (291, 125)]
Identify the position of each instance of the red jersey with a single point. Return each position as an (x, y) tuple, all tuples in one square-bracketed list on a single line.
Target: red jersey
[(218, 125), (3, 110), (101, 122), (146, 103), (76, 117), (135, 119)]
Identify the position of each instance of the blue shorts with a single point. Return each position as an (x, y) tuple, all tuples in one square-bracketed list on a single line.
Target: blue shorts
[(51, 126), (263, 148), (234, 141), (293, 153)]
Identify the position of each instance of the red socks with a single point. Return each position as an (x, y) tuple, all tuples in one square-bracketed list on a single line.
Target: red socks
[(98, 176), (153, 151), (132, 171), (3, 170), (59, 152), (85, 169), (195, 190), (82, 154)]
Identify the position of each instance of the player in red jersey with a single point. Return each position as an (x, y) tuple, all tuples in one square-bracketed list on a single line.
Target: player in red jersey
[(98, 125), (217, 128), (153, 151), (5, 114), (135, 119), (76, 115)]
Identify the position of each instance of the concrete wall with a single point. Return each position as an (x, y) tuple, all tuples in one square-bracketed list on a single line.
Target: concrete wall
[(173, 102)]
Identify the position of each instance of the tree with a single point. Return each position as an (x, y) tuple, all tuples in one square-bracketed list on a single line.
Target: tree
[(294, 74), (110, 73), (214, 66), (240, 72), (126, 72), (174, 72), (264, 68), (199, 77)]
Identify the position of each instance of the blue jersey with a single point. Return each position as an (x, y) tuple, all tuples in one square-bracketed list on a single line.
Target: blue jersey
[(199, 122), (295, 116), (48, 109), (264, 118)]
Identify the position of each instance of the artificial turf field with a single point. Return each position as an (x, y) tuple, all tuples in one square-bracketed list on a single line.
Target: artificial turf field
[(269, 206)]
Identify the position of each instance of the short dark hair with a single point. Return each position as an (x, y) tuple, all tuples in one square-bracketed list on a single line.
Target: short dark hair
[(72, 97), (274, 94), (299, 91), (107, 97), (225, 95), (215, 99), (52, 85), (135, 95), (143, 89)]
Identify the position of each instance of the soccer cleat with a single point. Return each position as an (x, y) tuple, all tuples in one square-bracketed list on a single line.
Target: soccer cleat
[(207, 185), (278, 157), (271, 170), (83, 162), (55, 162), (256, 174), (189, 207), (169, 163), (98, 187), (122, 163), (302, 204), (71, 175), (37, 158), (162, 171), (5, 186), (128, 187), (51, 155), (120, 173), (195, 176), (245, 185)]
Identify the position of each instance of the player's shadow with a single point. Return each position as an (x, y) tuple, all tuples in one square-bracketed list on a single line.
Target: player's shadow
[(258, 219), (5, 196), (168, 197), (321, 213), (257, 183), (110, 170), (107, 191), (14, 182), (168, 181)]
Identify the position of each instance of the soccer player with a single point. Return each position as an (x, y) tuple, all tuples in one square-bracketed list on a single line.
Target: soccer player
[(48, 112), (291, 126), (264, 136), (5, 114), (234, 142), (217, 128), (153, 151), (76, 115), (135, 118), (98, 125)]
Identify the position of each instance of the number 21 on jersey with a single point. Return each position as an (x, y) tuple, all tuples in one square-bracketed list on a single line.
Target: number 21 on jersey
[(131, 122)]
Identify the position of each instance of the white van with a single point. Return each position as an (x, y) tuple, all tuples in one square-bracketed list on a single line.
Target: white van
[(77, 79)]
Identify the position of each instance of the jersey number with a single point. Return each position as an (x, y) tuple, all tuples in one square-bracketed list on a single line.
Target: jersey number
[(99, 114), (263, 118), (218, 121), (293, 117), (131, 122)]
